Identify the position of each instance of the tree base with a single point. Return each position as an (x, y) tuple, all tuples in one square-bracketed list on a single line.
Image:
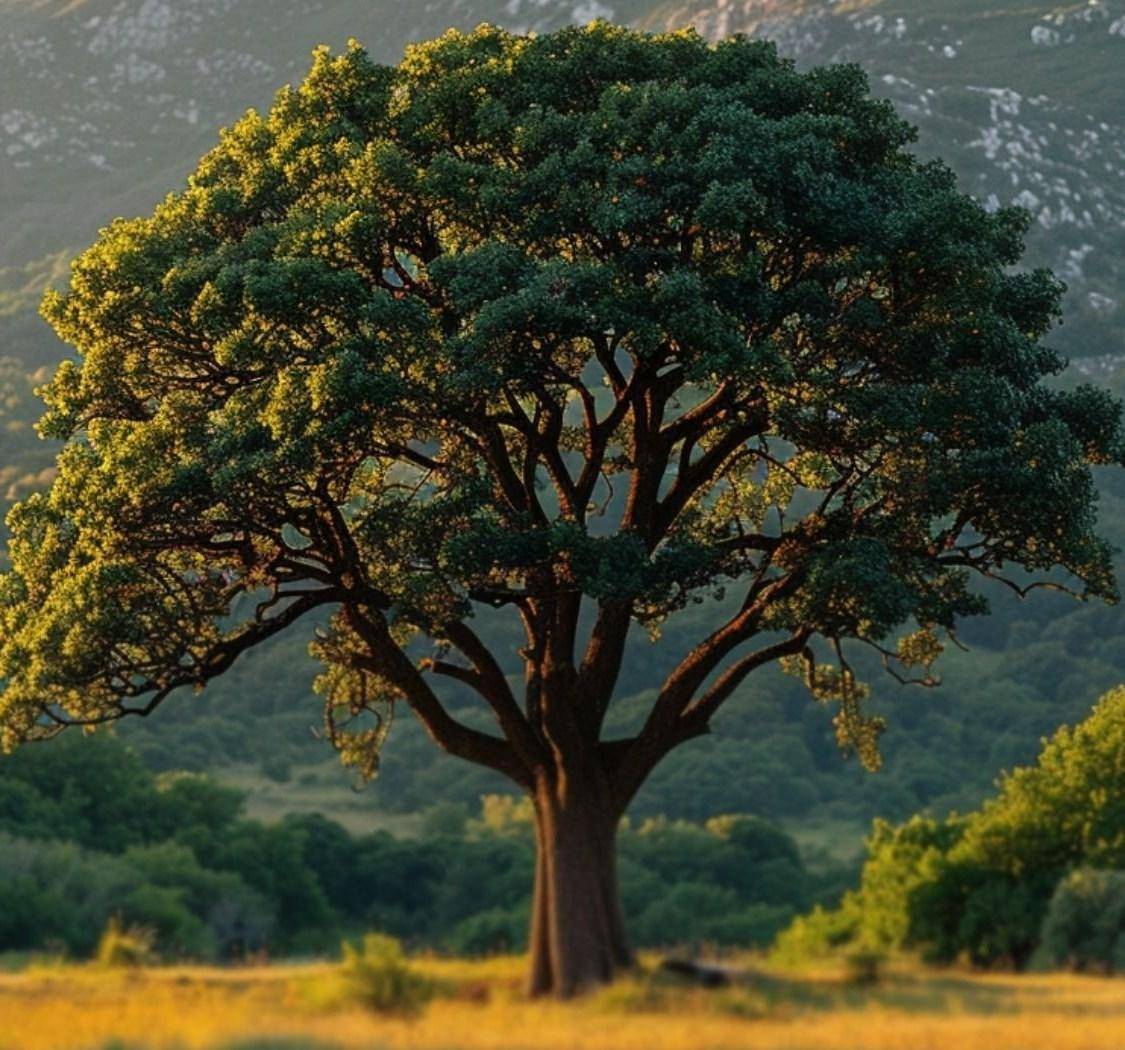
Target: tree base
[(577, 940)]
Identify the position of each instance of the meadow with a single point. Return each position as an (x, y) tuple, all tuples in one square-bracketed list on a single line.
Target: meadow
[(480, 1007)]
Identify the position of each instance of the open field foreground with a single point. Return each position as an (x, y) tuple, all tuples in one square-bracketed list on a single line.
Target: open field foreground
[(282, 1008)]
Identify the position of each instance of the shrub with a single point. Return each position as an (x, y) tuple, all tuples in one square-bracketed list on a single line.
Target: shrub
[(1085, 924), (755, 926), (122, 946), (175, 931), (377, 975), (687, 913), (981, 885), (819, 934)]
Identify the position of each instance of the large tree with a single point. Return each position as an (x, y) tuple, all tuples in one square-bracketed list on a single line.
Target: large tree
[(577, 328)]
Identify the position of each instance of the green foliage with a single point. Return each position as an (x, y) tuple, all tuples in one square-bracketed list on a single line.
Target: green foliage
[(982, 884), (57, 893), (376, 975), (820, 933), (899, 861), (497, 931), (209, 884), (1085, 924), (1068, 808), (700, 913), (986, 915), (378, 305), (271, 860), (212, 913)]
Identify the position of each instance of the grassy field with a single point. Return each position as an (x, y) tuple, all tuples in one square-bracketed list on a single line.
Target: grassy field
[(321, 788), (279, 1008)]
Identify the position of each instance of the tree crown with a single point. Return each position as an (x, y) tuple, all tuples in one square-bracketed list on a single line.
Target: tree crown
[(586, 326)]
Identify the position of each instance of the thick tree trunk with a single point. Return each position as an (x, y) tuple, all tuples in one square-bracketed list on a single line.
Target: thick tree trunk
[(577, 937)]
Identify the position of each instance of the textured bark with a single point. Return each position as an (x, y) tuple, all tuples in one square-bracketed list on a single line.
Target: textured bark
[(577, 939)]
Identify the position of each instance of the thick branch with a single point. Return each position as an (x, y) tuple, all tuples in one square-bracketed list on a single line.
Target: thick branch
[(663, 729), (635, 761), (698, 475), (389, 661), (489, 681), (601, 664), (700, 712)]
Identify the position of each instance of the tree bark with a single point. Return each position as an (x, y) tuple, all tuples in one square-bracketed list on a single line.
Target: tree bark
[(577, 939)]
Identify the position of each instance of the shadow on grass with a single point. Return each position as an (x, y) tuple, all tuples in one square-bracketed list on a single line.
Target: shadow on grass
[(765, 993), (893, 991), (925, 991)]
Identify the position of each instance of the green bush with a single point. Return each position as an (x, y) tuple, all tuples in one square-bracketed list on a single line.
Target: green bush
[(980, 886), (1085, 924), (685, 914), (175, 931), (755, 926), (376, 975), (819, 934)]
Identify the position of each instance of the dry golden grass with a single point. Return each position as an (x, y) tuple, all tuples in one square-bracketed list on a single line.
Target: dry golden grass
[(77, 1008)]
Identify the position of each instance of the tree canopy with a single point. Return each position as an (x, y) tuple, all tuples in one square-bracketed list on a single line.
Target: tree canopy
[(398, 337), (584, 327)]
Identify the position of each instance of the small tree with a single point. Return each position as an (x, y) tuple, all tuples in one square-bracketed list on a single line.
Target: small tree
[(578, 328)]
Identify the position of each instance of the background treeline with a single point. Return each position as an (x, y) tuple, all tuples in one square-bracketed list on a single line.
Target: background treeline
[(88, 834), (1032, 876), (1036, 875)]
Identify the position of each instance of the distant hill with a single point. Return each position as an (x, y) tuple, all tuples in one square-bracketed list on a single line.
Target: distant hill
[(105, 105)]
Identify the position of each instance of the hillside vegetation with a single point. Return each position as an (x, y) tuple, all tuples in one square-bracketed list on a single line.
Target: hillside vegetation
[(89, 837)]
